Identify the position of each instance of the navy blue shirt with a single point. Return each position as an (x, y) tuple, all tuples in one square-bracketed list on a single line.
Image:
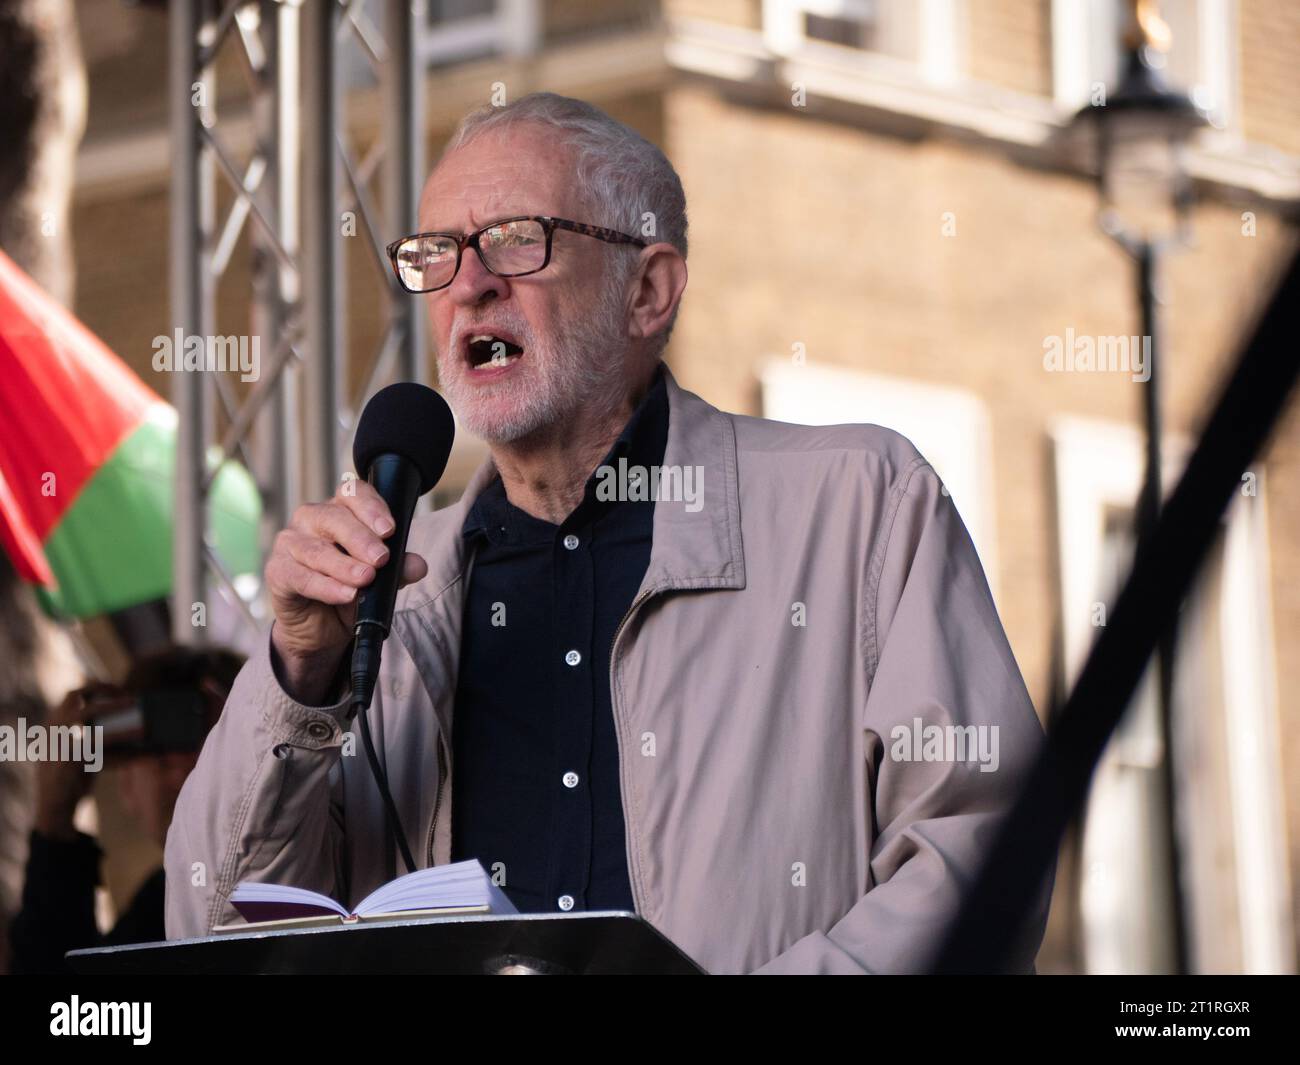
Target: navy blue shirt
[(535, 780)]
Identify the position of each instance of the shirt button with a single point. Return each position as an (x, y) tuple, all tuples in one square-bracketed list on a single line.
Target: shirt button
[(571, 542), (573, 658), (570, 779), (566, 902)]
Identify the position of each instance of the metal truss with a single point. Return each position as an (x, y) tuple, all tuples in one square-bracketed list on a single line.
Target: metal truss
[(294, 195)]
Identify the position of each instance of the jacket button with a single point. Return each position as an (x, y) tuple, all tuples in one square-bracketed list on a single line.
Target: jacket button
[(573, 658), (318, 730), (566, 902)]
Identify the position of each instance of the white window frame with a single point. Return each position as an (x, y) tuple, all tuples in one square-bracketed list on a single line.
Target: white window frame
[(1081, 29), (514, 29), (933, 31), (1099, 466), (949, 426)]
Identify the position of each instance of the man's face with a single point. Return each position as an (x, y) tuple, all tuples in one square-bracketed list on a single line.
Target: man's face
[(568, 320)]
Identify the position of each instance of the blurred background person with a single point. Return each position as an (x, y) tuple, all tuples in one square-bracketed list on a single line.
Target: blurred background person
[(153, 727)]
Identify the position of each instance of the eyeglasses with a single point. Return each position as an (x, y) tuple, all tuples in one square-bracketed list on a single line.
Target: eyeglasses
[(512, 247)]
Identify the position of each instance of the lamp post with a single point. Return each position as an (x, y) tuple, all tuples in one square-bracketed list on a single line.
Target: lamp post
[(1141, 134)]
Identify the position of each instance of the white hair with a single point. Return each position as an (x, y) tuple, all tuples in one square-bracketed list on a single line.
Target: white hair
[(625, 181)]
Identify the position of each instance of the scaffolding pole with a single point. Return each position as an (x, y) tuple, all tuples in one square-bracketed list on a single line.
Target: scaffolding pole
[(293, 426), (192, 292)]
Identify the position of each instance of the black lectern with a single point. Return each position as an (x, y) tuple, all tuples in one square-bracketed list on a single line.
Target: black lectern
[(593, 944)]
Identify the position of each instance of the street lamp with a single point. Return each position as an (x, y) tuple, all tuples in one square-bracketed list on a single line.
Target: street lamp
[(1140, 137), (1142, 131)]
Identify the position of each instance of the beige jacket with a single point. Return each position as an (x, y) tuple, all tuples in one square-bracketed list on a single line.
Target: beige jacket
[(792, 637)]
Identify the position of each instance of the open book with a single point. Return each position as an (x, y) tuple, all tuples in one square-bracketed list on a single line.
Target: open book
[(438, 891)]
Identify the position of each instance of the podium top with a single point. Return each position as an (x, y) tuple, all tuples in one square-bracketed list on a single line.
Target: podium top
[(602, 943)]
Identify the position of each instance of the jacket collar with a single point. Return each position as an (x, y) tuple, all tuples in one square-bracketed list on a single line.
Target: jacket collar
[(701, 547), (692, 548)]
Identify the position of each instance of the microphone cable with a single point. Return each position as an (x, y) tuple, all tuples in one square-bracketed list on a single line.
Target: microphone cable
[(360, 706)]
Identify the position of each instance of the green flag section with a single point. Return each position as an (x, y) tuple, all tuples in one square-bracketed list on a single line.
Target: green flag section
[(112, 548)]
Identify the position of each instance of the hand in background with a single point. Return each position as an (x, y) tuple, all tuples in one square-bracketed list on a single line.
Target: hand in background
[(60, 785)]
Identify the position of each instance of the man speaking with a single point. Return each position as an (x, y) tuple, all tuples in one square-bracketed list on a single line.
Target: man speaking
[(768, 705)]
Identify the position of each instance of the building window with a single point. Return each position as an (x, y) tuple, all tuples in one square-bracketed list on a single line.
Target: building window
[(1227, 772), (852, 23), (949, 426), (922, 33), (1087, 49), (460, 30)]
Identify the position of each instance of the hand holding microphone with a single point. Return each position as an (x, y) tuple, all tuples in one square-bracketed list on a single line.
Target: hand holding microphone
[(331, 552), (402, 445)]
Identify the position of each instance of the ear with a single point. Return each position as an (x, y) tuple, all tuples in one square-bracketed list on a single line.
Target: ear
[(656, 289)]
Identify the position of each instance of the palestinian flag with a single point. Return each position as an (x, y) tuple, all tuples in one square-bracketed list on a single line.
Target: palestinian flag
[(86, 461)]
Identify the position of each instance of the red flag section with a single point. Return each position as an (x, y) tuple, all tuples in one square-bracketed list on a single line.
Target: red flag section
[(66, 402)]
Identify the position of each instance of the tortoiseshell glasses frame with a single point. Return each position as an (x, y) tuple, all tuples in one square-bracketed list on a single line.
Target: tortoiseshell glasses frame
[(510, 245)]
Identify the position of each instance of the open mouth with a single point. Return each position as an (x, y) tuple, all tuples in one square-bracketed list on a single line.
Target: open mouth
[(488, 351)]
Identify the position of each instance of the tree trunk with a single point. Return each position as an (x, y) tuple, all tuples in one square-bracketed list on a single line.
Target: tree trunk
[(42, 116)]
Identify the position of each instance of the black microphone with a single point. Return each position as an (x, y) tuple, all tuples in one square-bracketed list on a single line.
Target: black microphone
[(402, 445)]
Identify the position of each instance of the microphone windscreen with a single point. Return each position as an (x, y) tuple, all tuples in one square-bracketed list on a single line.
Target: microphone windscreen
[(410, 420)]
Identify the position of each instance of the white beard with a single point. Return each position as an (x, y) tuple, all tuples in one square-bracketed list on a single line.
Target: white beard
[(582, 365)]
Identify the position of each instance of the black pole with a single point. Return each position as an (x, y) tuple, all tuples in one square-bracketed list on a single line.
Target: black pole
[(1148, 263), (991, 922)]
